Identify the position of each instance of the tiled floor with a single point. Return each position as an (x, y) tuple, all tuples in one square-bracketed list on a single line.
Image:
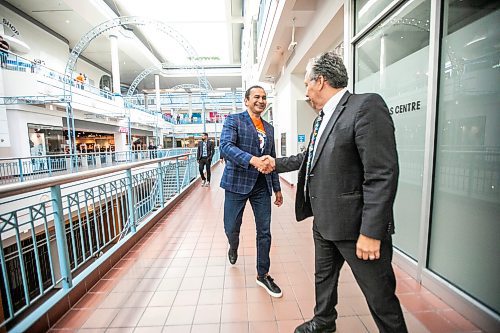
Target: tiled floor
[(178, 279)]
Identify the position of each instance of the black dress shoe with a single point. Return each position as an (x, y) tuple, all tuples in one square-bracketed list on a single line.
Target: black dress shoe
[(313, 327), (233, 256)]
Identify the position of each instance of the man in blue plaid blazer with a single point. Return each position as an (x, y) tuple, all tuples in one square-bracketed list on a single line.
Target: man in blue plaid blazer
[(244, 139)]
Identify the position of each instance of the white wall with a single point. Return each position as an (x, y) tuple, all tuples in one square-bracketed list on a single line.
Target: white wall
[(44, 46), (18, 120), (289, 91), (92, 73)]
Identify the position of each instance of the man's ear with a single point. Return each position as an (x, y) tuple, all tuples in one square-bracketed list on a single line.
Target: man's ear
[(321, 81)]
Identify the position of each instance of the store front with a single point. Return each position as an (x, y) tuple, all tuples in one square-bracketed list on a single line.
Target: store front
[(45, 140), (90, 142), (442, 93)]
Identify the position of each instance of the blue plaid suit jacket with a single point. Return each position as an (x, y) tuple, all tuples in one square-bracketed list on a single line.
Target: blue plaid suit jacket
[(238, 143)]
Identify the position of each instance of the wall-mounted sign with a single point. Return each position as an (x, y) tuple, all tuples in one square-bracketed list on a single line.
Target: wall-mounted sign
[(403, 108), (14, 37), (301, 138), (123, 130), (10, 26)]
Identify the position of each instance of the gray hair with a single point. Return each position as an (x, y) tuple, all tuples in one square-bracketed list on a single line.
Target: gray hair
[(331, 67)]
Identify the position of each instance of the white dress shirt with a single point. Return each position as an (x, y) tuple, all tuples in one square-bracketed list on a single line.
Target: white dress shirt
[(328, 109)]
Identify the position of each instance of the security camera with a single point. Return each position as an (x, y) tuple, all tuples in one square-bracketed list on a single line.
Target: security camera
[(292, 45)]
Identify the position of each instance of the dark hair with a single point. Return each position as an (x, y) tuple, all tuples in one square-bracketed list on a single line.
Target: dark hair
[(204, 133), (331, 67), (247, 93)]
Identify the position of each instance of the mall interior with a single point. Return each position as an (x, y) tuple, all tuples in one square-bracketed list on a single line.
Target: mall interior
[(105, 226)]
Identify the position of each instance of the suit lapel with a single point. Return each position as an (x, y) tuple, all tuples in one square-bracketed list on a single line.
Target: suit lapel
[(329, 127)]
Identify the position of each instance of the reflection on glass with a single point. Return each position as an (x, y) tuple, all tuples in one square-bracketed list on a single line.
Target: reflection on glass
[(45, 140), (366, 10), (466, 203), (392, 60)]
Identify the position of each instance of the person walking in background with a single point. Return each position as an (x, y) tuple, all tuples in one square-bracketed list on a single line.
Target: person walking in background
[(204, 156), (245, 137), (347, 180)]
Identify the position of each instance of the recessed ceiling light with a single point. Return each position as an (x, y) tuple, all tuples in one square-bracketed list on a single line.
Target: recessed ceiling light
[(67, 21)]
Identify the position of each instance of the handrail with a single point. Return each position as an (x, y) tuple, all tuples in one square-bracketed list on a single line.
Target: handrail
[(54, 230), (87, 153), (33, 185), (35, 67)]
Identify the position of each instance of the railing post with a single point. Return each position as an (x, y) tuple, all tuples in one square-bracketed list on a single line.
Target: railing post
[(20, 164), (49, 165), (177, 175), (189, 169), (62, 246), (130, 201), (160, 184), (97, 159)]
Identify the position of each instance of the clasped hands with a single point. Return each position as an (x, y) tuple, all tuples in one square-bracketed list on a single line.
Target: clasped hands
[(265, 164)]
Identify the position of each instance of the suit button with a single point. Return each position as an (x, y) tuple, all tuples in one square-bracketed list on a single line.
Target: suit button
[(311, 175), (313, 197)]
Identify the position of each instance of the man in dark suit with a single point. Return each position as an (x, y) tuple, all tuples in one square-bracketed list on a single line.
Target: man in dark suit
[(204, 157), (245, 137), (347, 180)]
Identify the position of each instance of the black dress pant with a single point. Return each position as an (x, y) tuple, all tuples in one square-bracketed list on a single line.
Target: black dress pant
[(202, 164), (375, 278)]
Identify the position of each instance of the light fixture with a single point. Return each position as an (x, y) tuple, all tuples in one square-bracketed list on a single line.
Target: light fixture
[(293, 43), (17, 45)]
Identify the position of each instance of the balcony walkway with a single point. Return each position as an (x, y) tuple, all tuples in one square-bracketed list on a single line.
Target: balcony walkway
[(178, 279)]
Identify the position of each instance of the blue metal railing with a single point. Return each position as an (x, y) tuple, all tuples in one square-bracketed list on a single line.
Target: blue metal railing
[(19, 169), (52, 229)]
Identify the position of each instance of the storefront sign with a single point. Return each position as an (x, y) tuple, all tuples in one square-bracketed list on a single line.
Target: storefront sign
[(10, 26), (123, 130), (402, 108)]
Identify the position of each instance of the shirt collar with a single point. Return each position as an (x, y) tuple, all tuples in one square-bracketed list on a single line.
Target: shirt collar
[(332, 103)]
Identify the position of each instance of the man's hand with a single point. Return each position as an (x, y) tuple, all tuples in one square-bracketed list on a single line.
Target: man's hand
[(260, 164), (367, 248), (279, 198), (270, 164)]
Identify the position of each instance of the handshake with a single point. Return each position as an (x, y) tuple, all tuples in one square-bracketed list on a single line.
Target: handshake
[(264, 164)]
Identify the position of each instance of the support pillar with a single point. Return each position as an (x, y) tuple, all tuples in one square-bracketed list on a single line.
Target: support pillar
[(115, 64), (158, 109)]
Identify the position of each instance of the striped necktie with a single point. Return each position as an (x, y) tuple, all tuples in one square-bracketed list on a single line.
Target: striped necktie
[(310, 152)]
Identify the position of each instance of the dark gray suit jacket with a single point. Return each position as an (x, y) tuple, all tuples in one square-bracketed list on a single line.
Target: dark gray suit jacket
[(354, 174), (210, 150)]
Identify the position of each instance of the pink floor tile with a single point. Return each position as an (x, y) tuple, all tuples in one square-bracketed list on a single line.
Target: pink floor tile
[(177, 279)]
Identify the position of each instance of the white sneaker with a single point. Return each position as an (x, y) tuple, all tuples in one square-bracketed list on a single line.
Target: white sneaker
[(203, 183), (207, 184)]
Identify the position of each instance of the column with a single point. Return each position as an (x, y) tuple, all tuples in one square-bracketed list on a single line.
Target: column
[(120, 138), (158, 108), (190, 100), (115, 64)]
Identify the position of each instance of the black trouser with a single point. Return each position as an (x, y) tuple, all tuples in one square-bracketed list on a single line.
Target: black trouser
[(375, 278), (202, 162)]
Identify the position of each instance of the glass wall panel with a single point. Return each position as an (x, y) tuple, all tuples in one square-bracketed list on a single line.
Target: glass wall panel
[(392, 60), (45, 140), (366, 10), (465, 229)]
